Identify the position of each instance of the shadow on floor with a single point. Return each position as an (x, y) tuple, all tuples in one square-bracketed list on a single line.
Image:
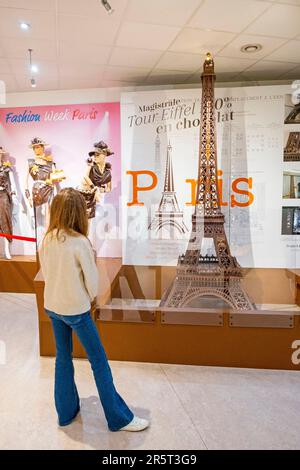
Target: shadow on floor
[(90, 428)]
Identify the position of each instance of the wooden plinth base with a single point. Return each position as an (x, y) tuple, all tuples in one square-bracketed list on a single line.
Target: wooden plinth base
[(225, 344), (17, 274), (265, 348)]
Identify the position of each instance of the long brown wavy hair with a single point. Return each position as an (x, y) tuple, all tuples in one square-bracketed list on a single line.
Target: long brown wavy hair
[(68, 214)]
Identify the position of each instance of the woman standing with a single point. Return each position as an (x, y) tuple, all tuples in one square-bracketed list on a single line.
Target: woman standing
[(71, 281)]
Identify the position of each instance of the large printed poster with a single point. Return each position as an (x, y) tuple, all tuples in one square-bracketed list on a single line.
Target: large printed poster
[(258, 148), (70, 132)]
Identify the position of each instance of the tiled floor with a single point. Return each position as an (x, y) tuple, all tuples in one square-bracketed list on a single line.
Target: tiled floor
[(189, 407)]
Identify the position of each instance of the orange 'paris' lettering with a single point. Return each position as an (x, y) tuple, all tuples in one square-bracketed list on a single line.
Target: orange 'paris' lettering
[(136, 188)]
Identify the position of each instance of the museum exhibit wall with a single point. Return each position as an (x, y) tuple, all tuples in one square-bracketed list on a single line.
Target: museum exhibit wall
[(251, 135), (155, 136)]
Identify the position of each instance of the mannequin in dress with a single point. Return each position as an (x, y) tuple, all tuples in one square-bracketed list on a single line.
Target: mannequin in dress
[(91, 194), (7, 195), (41, 169), (99, 172)]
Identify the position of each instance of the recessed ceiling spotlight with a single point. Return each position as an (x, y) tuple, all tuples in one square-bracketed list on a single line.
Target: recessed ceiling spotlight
[(24, 26), (107, 6), (250, 48)]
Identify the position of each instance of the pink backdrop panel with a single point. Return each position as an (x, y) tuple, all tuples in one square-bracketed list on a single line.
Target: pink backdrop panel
[(70, 131)]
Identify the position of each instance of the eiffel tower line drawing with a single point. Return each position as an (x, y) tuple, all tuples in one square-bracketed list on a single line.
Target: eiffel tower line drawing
[(168, 213), (157, 157), (217, 275)]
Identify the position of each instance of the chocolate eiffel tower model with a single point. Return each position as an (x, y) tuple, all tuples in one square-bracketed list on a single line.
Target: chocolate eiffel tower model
[(216, 275), (168, 213), (292, 148)]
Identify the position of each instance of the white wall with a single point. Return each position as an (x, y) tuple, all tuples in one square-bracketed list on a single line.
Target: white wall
[(99, 95)]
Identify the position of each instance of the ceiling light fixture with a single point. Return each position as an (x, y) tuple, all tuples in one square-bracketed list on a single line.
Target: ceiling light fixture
[(24, 26), (32, 68), (107, 6), (250, 48)]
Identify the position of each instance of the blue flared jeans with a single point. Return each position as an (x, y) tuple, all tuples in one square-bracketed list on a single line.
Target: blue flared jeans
[(66, 396)]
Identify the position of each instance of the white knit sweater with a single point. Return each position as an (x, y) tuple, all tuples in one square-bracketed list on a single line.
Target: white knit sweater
[(70, 274)]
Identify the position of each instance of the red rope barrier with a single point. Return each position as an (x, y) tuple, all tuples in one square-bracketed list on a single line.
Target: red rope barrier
[(17, 237)]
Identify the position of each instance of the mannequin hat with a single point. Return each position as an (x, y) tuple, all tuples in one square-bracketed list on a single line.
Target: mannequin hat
[(101, 147), (37, 141)]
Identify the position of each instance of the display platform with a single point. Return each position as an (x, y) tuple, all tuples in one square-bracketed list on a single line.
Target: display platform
[(17, 274), (133, 326), (294, 275)]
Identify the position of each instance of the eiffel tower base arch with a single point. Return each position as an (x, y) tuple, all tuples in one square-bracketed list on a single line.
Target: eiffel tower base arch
[(181, 293)]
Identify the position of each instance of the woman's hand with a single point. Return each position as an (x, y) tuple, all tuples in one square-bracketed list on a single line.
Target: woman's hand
[(94, 303), (94, 309)]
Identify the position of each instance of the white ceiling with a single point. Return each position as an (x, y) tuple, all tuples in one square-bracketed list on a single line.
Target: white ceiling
[(76, 44)]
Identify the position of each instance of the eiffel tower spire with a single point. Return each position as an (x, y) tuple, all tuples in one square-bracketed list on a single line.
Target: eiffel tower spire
[(207, 199), (169, 180), (207, 275), (168, 213)]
